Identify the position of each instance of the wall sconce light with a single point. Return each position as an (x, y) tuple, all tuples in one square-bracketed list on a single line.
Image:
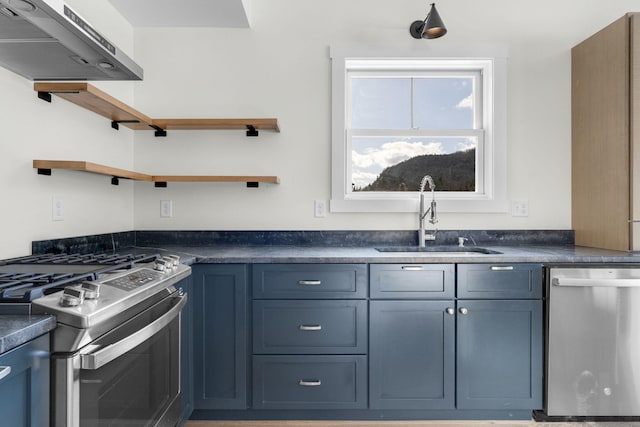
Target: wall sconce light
[(431, 28)]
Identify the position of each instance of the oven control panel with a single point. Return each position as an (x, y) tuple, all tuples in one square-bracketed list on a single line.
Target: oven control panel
[(134, 280)]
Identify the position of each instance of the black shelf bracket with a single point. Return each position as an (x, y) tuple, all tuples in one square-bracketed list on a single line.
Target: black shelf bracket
[(115, 180), (45, 96), (158, 131), (252, 131), (160, 184), (42, 171), (115, 124), (253, 184)]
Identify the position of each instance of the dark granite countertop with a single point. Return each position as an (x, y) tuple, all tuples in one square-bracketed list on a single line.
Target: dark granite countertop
[(545, 254), (17, 329)]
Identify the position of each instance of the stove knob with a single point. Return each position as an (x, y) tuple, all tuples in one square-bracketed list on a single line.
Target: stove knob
[(175, 259), (91, 290), (171, 265), (71, 297), (160, 265)]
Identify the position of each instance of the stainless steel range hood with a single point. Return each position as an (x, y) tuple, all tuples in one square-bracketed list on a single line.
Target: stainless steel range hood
[(47, 40)]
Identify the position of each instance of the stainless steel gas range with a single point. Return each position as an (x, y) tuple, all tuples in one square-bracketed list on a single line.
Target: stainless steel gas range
[(116, 350)]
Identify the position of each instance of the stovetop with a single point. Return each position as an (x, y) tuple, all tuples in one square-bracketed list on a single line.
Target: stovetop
[(27, 278)]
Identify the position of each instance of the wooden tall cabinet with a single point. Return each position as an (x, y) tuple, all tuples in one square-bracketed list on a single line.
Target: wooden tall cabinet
[(605, 122)]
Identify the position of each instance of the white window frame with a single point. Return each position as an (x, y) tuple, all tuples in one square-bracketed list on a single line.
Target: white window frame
[(491, 153)]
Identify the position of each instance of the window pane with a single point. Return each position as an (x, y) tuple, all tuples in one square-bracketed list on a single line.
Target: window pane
[(380, 103), (398, 164), (443, 103)]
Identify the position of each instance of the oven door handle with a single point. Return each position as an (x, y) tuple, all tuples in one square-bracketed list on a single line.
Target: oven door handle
[(98, 358)]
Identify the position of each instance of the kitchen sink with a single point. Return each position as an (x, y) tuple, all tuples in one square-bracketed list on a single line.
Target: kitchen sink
[(439, 250)]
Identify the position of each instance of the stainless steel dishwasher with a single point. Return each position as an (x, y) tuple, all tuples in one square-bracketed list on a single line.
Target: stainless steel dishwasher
[(593, 342)]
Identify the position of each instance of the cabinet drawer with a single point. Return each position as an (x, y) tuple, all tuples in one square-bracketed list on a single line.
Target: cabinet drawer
[(308, 281), (309, 382), (309, 327), (521, 281), (407, 281)]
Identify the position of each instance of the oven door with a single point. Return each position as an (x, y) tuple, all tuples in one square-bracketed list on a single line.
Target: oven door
[(128, 377)]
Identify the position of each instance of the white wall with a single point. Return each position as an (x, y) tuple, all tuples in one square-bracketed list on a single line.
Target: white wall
[(32, 129), (279, 68)]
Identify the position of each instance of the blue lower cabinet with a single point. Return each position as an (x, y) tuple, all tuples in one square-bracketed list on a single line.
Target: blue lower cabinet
[(411, 355), (499, 354), (186, 349), (310, 382), (24, 386), (220, 330)]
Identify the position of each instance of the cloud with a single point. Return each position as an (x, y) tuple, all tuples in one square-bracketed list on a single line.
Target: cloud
[(392, 153), (465, 103)]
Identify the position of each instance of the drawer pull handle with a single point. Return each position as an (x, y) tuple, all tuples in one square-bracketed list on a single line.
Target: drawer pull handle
[(310, 327), (310, 383), (309, 282), (501, 267), (412, 267)]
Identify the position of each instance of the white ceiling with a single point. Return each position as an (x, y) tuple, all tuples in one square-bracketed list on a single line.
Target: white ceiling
[(183, 13)]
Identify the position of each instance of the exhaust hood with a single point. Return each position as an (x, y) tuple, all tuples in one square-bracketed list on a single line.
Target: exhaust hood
[(47, 40)]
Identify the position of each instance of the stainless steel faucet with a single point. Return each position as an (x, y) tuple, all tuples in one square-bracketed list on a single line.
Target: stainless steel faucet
[(433, 219)]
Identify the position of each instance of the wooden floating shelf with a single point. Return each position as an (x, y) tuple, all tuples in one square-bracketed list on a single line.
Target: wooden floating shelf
[(213, 178), (216, 124), (44, 167), (93, 99)]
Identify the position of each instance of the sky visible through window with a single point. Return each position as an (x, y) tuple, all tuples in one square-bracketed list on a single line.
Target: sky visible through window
[(405, 103)]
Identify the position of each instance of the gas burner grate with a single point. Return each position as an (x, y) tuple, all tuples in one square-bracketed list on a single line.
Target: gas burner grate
[(25, 286), (26, 278), (84, 259)]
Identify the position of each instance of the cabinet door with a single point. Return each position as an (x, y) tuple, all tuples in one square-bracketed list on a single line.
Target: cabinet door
[(411, 355), (499, 354), (220, 336), (24, 391)]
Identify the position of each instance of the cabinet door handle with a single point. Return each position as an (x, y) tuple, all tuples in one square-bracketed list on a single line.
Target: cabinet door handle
[(310, 327), (310, 383), (4, 371), (450, 311), (501, 267), (309, 282), (463, 311), (412, 267)]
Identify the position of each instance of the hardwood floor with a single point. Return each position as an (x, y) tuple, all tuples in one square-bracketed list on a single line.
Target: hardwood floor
[(402, 424)]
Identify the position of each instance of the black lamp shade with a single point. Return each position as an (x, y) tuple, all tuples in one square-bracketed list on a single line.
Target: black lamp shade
[(431, 28)]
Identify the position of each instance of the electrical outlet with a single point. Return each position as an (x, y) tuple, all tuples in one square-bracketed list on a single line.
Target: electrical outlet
[(166, 208), (320, 208), (520, 207), (57, 208)]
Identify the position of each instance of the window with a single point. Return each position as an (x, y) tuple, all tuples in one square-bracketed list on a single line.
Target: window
[(396, 119)]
